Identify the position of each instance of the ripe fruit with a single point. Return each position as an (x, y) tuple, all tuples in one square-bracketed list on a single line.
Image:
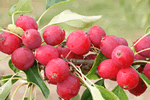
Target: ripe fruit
[(31, 38), (123, 42), (146, 70), (57, 70), (78, 42), (26, 22), (108, 44), (139, 89), (107, 69), (96, 33), (9, 42), (143, 44), (127, 78), (45, 53), (69, 87), (122, 56), (53, 35), (63, 52), (138, 57), (22, 58)]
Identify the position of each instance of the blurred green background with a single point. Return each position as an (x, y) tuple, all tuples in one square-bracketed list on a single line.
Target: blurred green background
[(122, 18)]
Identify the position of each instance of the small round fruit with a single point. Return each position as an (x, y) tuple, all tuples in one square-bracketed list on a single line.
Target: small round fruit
[(22, 58), (139, 89), (64, 51), (143, 44), (107, 69), (31, 39), (78, 42), (96, 33), (45, 53), (123, 42), (122, 56), (26, 22), (9, 42), (139, 57), (146, 70), (127, 78), (108, 44), (68, 88), (53, 35), (57, 70)]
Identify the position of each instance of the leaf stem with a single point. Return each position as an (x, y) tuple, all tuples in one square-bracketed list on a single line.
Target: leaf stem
[(142, 51), (44, 27), (25, 91), (12, 98), (10, 78), (5, 57)]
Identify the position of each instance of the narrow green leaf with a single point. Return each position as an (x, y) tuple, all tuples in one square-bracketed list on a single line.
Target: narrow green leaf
[(147, 30), (72, 21), (12, 67), (8, 77), (50, 3), (26, 98), (33, 76), (5, 90), (23, 6), (91, 74), (77, 97), (120, 93)]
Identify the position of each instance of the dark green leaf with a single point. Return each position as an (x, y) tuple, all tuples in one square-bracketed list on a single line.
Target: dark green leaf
[(147, 30), (120, 93), (33, 76), (23, 6), (8, 77), (50, 3), (91, 74), (26, 98), (77, 97), (136, 66), (12, 67)]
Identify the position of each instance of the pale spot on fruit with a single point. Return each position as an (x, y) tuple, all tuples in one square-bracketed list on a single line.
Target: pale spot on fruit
[(125, 86)]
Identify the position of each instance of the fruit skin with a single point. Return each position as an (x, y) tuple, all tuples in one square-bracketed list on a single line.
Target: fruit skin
[(139, 89), (123, 42), (26, 22), (31, 39), (22, 58), (146, 70), (9, 42), (64, 51), (143, 44), (96, 33), (69, 87), (139, 57), (78, 42), (122, 56), (57, 70), (45, 53), (107, 69), (53, 35), (108, 44), (127, 78)]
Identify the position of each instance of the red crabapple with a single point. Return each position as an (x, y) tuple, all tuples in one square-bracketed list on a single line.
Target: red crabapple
[(26, 22), (143, 44), (53, 35), (45, 53), (146, 70), (69, 87), (96, 33), (107, 69), (127, 78), (57, 70), (139, 89), (123, 42), (9, 42), (122, 56), (78, 42), (108, 44), (22, 58), (139, 57), (31, 38)]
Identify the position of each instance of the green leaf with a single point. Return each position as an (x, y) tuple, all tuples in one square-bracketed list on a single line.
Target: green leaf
[(72, 21), (50, 3), (33, 76), (8, 77), (12, 67), (147, 30), (23, 6), (107, 95), (91, 74), (77, 97), (120, 93), (5, 89), (87, 95), (145, 79), (26, 98)]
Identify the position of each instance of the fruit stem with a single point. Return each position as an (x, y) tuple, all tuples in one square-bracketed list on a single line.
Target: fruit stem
[(44, 27), (13, 20), (142, 51), (25, 91), (5, 57), (140, 62), (10, 32), (81, 61), (10, 78)]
